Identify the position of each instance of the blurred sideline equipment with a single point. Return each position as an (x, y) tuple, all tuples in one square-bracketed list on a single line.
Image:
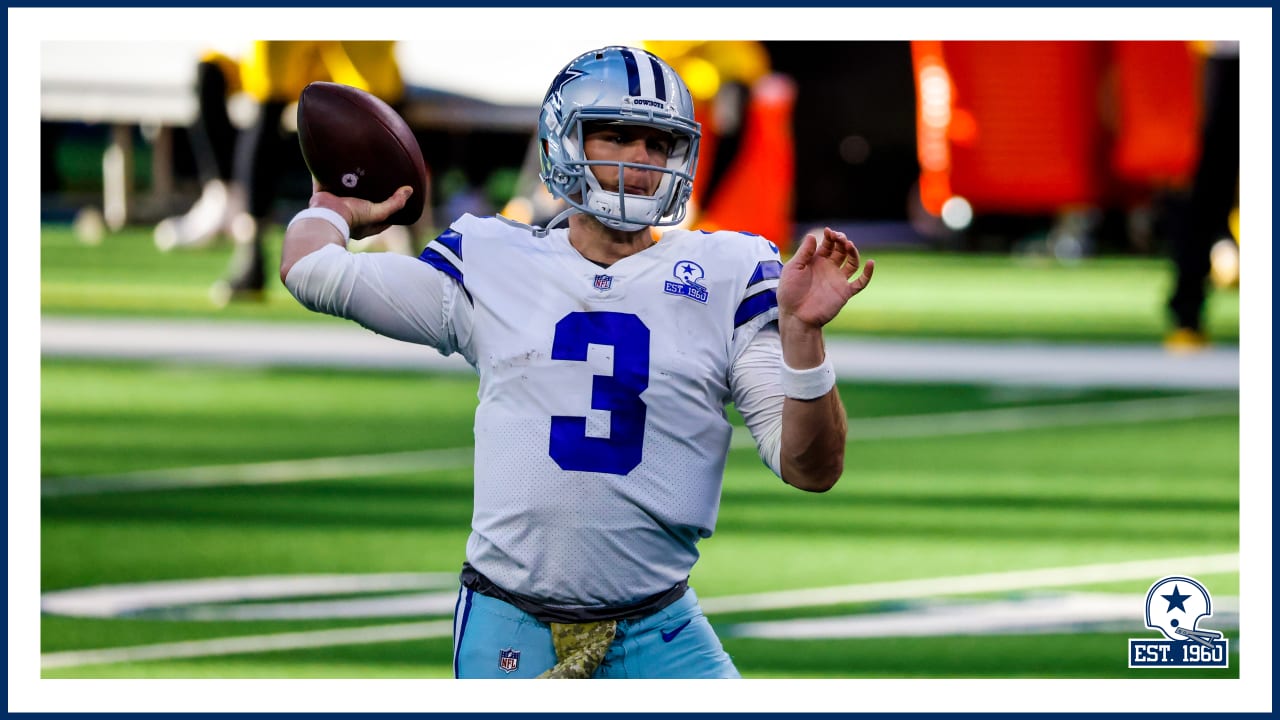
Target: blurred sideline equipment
[(1047, 127), (356, 145), (1069, 129)]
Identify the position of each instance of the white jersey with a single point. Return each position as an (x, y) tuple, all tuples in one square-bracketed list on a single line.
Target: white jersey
[(601, 432)]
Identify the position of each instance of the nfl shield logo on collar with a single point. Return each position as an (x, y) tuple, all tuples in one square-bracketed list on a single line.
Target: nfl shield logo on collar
[(603, 282), (508, 660)]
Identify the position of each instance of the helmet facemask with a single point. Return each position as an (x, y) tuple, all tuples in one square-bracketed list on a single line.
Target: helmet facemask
[(618, 209)]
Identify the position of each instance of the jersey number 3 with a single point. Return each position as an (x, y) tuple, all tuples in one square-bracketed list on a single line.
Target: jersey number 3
[(619, 393)]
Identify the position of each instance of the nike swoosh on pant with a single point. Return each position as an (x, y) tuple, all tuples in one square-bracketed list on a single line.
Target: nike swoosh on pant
[(668, 636)]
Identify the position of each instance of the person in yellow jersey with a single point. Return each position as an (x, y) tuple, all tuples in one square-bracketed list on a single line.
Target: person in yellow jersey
[(241, 169)]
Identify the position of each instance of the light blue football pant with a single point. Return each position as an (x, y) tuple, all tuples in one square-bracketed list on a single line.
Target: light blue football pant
[(675, 642)]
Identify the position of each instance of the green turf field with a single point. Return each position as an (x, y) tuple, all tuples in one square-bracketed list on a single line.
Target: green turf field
[(916, 294), (236, 499)]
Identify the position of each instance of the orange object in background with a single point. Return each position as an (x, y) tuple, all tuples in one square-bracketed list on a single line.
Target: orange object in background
[(1035, 127), (755, 194), (934, 109), (1028, 139), (1157, 112)]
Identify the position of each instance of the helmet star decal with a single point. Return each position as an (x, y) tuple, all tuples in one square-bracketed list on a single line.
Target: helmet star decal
[(561, 80), (1176, 600)]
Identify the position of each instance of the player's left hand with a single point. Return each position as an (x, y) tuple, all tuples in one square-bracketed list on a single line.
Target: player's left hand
[(815, 283)]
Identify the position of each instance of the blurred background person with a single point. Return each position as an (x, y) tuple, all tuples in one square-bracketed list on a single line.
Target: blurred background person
[(212, 138), (1202, 217), (241, 169)]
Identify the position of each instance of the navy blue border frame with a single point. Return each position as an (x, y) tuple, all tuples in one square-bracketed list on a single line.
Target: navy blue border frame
[(654, 4), (1081, 4)]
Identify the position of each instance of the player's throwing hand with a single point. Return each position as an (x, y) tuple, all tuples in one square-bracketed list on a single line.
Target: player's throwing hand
[(365, 218)]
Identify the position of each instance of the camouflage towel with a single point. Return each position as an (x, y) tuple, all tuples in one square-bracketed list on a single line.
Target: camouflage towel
[(580, 647)]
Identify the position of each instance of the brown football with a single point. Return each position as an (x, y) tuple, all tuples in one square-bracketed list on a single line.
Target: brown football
[(356, 145)]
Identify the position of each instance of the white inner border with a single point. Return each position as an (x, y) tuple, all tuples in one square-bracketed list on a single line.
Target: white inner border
[(501, 42)]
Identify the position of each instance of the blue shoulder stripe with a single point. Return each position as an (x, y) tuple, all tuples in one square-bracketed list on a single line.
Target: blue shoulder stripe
[(432, 257), (755, 306), (438, 261), (765, 270), (452, 239)]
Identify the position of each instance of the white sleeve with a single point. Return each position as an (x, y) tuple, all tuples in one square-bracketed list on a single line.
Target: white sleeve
[(391, 294), (757, 393)]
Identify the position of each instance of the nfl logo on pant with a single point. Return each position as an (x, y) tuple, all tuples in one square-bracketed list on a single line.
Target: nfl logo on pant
[(508, 660)]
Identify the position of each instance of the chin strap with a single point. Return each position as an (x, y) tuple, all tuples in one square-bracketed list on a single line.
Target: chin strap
[(542, 231)]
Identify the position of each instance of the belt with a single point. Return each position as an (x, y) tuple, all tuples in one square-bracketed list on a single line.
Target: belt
[(475, 580)]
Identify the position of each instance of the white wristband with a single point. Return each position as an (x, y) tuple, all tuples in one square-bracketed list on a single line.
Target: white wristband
[(808, 384), (320, 213)]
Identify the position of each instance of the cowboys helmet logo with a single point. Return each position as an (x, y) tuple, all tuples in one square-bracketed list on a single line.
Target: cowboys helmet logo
[(554, 93), (1175, 605), (689, 272)]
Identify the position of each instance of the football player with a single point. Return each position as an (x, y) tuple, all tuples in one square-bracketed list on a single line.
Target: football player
[(606, 360)]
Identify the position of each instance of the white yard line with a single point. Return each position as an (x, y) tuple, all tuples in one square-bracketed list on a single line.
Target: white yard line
[(969, 584), (1070, 612), (909, 589), (261, 473), (401, 632), (976, 422), (860, 429), (186, 599), (863, 358)]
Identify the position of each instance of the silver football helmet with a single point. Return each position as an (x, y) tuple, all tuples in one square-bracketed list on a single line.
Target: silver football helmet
[(625, 86)]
